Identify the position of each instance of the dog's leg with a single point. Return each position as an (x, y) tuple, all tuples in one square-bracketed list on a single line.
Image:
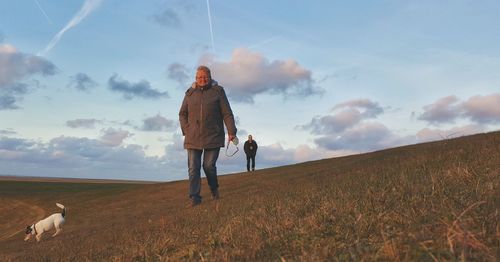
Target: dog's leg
[(28, 237), (57, 232), (38, 237)]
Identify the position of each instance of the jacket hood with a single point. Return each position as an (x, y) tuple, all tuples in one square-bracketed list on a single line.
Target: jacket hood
[(212, 83)]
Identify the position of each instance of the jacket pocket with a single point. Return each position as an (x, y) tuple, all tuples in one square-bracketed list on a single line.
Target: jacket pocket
[(190, 134)]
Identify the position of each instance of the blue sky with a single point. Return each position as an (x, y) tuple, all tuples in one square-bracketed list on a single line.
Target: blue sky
[(92, 89)]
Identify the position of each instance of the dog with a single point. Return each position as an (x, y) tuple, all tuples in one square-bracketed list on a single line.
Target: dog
[(55, 220)]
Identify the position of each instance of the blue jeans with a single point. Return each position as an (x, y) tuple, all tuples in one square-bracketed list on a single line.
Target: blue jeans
[(250, 157), (194, 165)]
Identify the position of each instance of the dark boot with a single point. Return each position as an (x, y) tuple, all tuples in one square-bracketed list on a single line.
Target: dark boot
[(215, 195)]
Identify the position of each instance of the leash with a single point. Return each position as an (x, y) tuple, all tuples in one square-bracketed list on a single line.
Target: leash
[(235, 142)]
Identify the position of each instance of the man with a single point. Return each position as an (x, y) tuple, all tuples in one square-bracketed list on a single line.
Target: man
[(250, 150), (202, 116)]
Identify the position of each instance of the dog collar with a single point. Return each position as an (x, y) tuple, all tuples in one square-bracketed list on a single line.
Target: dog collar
[(34, 228)]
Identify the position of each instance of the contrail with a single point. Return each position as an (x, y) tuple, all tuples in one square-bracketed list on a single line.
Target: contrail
[(43, 11), (263, 42), (88, 7), (210, 23)]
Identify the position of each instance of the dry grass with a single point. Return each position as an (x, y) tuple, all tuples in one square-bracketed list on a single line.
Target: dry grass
[(432, 202)]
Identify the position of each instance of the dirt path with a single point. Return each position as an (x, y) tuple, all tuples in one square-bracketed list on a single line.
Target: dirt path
[(15, 215)]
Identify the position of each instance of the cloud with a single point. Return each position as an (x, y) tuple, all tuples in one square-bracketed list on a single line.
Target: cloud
[(179, 73), (12, 94), (248, 74), (168, 18), (7, 131), (366, 136), (333, 124), (7, 102), (130, 90), (15, 144), (350, 125), (158, 123), (369, 108), (78, 157), (83, 123), (349, 128), (82, 82), (71, 147), (18, 89), (88, 7), (444, 110), (483, 109), (427, 134), (16, 66), (479, 109), (114, 137), (345, 115)]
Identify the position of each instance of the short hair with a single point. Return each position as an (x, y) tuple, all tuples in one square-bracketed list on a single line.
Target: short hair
[(204, 69)]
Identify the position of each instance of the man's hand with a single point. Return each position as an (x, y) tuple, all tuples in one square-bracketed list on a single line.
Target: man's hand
[(230, 138)]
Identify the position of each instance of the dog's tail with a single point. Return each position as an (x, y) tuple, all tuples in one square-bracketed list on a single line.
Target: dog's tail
[(63, 213)]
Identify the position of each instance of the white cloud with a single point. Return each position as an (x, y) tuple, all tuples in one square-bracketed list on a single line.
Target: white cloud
[(8, 131), (114, 137), (15, 65), (483, 109), (366, 136), (158, 123), (366, 107), (248, 74), (345, 115), (348, 128), (479, 109), (444, 110), (7, 102), (82, 82), (78, 157), (179, 73), (83, 123), (130, 90), (428, 134)]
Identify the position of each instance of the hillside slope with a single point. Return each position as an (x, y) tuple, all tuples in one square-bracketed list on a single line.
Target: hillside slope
[(430, 201)]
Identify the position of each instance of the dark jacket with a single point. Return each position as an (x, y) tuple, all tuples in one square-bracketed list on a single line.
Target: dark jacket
[(250, 148), (202, 116)]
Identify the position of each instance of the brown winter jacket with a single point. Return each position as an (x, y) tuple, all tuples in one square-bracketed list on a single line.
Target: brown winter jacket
[(202, 114)]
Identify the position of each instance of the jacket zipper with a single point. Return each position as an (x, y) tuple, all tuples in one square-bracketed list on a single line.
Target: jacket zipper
[(201, 111)]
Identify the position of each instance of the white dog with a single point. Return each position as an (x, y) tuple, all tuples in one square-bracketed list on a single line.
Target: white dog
[(55, 220)]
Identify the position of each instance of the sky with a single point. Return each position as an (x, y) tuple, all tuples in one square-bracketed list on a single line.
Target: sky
[(92, 88)]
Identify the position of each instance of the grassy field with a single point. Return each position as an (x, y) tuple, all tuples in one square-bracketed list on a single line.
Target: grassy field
[(428, 202)]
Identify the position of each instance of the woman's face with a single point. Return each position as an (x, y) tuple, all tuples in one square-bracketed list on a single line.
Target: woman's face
[(202, 78)]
